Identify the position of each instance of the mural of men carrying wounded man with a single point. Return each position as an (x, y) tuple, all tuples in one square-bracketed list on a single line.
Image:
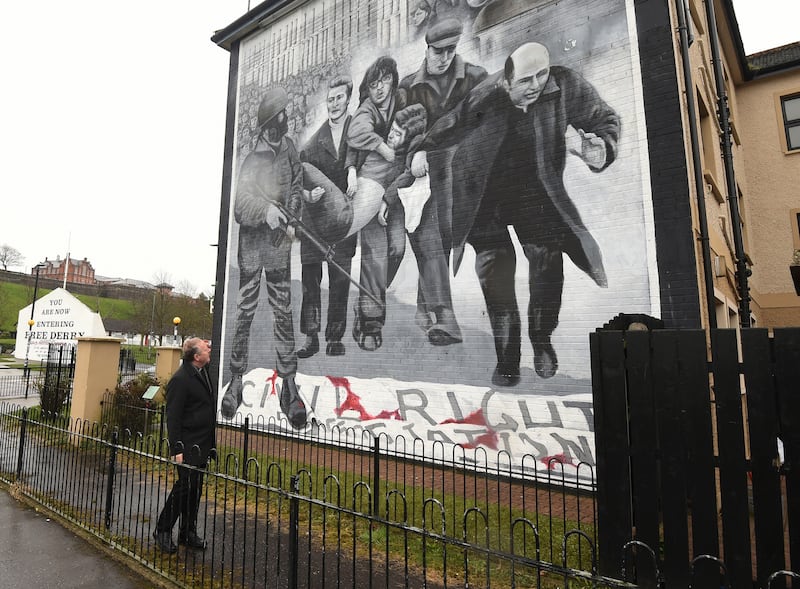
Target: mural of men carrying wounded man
[(511, 132), (486, 151)]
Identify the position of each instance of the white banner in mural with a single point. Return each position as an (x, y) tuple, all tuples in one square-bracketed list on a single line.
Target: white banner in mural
[(557, 430)]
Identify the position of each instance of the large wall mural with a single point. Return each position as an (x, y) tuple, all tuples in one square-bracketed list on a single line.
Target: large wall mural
[(434, 202)]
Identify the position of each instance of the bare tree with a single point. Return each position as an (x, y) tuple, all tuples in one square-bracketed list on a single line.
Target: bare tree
[(186, 288), (10, 256), (162, 278)]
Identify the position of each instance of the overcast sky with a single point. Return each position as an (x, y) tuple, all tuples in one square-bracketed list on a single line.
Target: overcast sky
[(113, 121)]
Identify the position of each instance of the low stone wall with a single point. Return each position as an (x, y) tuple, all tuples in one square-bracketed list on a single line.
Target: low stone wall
[(112, 291)]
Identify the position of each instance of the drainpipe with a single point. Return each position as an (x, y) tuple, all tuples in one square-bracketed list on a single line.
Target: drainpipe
[(699, 182), (742, 271)]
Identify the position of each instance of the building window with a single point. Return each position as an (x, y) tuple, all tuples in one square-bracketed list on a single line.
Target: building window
[(790, 108), (795, 225)]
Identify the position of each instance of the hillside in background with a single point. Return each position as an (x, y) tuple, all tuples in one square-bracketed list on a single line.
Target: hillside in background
[(151, 311), (14, 297)]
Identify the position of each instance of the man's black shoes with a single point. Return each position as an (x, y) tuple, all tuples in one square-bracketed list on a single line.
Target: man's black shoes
[(310, 348), (445, 331), (335, 349), (505, 376), (232, 397), (545, 361), (164, 542), (291, 403), (192, 540)]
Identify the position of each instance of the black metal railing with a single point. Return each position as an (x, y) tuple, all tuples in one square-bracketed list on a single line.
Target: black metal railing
[(135, 360), (126, 410), (328, 508), (50, 379), (12, 386)]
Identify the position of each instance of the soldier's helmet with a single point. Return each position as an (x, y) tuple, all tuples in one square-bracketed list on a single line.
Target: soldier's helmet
[(273, 103)]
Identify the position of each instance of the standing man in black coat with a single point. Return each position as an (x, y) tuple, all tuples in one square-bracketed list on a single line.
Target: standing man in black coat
[(191, 418), (326, 150)]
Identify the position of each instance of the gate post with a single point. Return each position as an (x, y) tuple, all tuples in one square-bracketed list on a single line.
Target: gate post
[(376, 476), (21, 452), (612, 448), (246, 442), (95, 373), (112, 470), (294, 527), (167, 361)]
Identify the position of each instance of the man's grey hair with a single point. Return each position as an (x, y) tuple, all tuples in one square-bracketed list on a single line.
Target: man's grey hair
[(191, 347)]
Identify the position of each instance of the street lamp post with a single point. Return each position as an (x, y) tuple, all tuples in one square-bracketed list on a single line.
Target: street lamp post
[(152, 315), (27, 351), (175, 321), (31, 323)]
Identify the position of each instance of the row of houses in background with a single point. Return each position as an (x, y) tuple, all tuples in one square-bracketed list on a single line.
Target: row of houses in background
[(73, 271)]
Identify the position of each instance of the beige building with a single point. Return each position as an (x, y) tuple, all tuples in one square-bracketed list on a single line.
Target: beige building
[(769, 106), (755, 180)]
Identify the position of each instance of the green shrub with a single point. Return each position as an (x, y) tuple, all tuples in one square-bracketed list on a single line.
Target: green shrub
[(54, 390), (128, 410)]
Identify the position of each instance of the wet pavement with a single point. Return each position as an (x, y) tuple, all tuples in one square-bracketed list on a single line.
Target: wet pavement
[(37, 552)]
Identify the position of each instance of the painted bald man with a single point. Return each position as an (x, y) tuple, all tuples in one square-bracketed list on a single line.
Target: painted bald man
[(508, 171)]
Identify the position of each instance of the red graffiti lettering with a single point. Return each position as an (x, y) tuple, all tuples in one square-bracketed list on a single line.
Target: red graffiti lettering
[(551, 461), (489, 439), (272, 380), (353, 402), (386, 414), (474, 418)]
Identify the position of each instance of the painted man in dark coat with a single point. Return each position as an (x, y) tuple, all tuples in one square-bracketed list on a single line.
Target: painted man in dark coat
[(191, 419), (326, 150), (508, 170), (441, 82), (271, 174)]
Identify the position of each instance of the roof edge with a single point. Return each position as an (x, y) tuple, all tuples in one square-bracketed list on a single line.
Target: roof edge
[(248, 22), (730, 14), (774, 68)]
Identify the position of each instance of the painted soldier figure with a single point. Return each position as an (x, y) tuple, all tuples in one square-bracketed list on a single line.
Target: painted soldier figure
[(441, 82), (508, 170), (326, 150), (270, 175)]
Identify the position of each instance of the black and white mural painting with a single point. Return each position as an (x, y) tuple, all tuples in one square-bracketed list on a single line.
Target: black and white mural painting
[(433, 203)]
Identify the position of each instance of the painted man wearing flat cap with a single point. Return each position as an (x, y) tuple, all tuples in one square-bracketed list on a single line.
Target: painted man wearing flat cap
[(512, 134), (271, 174), (441, 82)]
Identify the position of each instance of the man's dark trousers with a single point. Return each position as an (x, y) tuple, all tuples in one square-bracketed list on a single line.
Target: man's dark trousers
[(495, 265), (183, 501), (338, 290)]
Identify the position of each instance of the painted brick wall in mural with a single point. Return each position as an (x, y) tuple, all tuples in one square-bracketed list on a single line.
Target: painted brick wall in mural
[(433, 204)]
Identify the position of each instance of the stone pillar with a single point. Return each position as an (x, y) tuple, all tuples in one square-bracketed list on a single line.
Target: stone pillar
[(167, 361), (96, 371)]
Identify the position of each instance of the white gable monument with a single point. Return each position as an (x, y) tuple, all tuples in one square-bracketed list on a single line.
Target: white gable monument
[(59, 318)]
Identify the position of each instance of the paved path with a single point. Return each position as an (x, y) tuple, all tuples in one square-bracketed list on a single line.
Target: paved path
[(36, 552)]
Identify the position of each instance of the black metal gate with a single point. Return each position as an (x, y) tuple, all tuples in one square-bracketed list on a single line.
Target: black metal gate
[(55, 388), (695, 453)]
